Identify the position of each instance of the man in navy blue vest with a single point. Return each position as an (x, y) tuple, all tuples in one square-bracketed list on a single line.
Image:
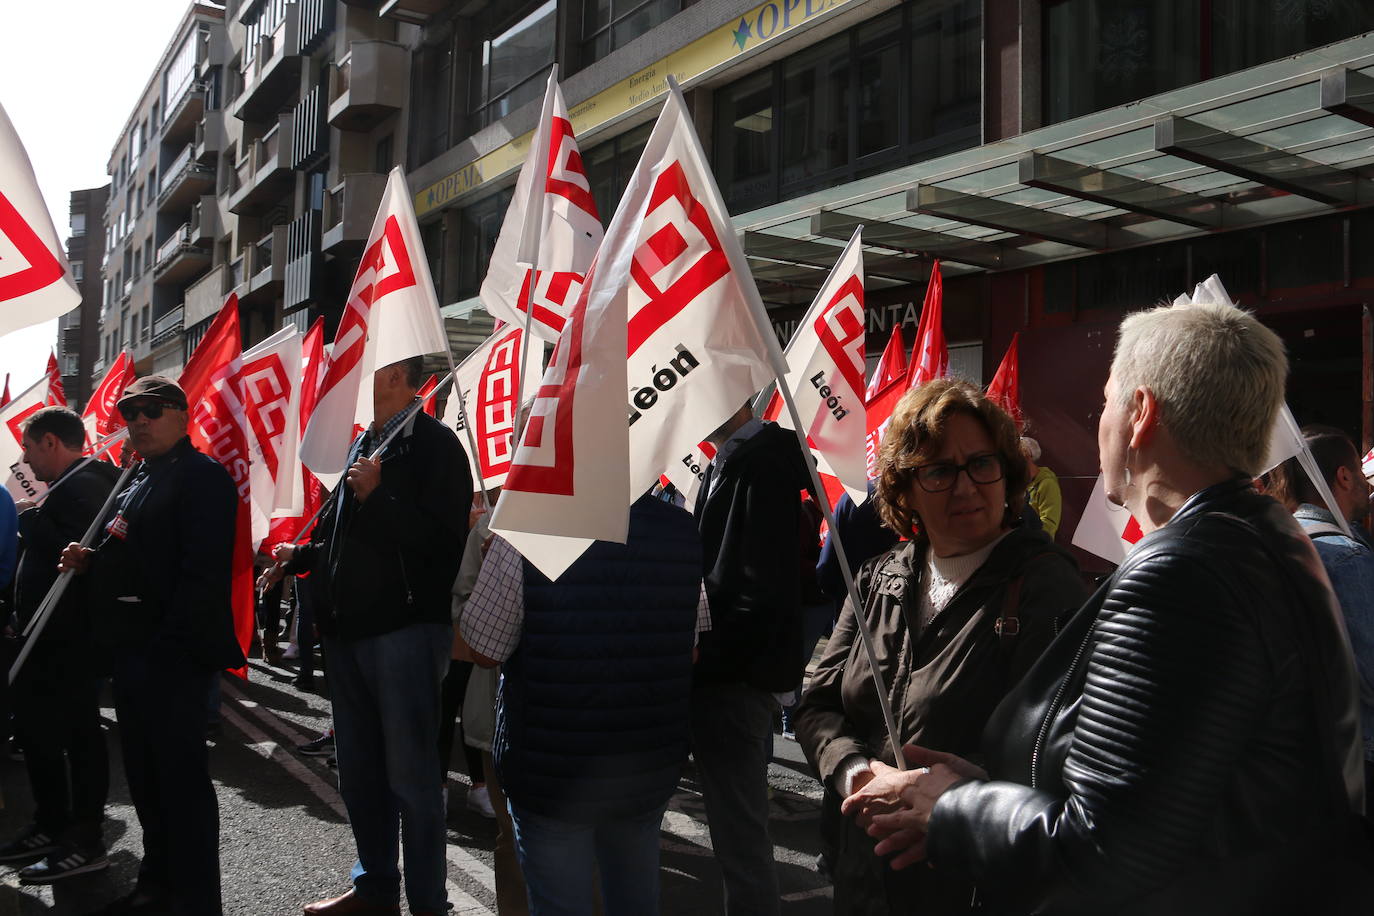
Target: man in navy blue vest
[(387, 549), (592, 715)]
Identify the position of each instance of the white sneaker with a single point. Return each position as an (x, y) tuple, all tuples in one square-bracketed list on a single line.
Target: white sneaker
[(479, 800)]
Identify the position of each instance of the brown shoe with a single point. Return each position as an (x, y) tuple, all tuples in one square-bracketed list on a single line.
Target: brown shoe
[(350, 904)]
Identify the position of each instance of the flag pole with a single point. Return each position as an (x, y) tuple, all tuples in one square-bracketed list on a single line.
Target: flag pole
[(59, 587), (779, 364), (530, 238)]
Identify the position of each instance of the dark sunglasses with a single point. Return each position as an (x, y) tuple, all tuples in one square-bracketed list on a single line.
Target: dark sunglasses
[(152, 410)]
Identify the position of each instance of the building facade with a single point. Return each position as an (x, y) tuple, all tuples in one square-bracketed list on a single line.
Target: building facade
[(78, 331)]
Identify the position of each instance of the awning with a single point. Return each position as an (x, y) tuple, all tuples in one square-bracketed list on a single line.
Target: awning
[(1285, 140)]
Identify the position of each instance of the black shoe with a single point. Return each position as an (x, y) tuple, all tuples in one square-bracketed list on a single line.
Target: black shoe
[(323, 746), (139, 903), (305, 680), (64, 864), (29, 846)]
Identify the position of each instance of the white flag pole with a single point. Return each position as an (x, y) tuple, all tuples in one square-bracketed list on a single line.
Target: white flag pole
[(59, 587), (779, 364)]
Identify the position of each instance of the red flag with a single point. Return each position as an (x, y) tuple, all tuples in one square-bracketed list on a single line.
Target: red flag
[(57, 394), (100, 417), (212, 385), (929, 355), (1005, 389), (891, 366), (430, 384), (5, 397), (313, 365)]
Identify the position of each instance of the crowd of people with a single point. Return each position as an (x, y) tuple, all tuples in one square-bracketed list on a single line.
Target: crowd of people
[(1194, 734)]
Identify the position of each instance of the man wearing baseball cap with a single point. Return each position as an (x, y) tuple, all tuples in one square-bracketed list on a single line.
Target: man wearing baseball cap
[(159, 589)]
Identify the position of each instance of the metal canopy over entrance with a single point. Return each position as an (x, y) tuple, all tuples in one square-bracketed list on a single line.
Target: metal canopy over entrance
[(1282, 141)]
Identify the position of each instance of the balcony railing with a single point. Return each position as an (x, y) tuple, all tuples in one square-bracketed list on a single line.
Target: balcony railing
[(236, 272), (180, 236), (170, 175), (317, 21), (303, 260), (309, 133), (168, 326), (205, 297)]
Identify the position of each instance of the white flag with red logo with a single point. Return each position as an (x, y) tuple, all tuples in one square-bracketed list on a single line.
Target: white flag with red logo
[(217, 427), (670, 276), (19, 479), (287, 524), (268, 379), (100, 416), (551, 231), (391, 314), (57, 393), (35, 282), (825, 372), (1106, 529), (492, 394), (689, 474)]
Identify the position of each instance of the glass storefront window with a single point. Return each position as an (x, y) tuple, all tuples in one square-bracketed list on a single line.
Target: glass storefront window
[(901, 87), (609, 166), (514, 64), (478, 227), (611, 24)]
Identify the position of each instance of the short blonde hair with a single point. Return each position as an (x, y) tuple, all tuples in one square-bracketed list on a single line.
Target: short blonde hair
[(1217, 373), (916, 433)]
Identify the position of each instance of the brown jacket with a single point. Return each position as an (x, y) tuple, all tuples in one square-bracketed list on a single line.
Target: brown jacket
[(943, 682)]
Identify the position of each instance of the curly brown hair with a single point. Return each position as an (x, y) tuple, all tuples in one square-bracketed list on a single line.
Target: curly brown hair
[(915, 435)]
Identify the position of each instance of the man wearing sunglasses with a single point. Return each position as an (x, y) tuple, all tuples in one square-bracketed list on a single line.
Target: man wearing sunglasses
[(160, 581)]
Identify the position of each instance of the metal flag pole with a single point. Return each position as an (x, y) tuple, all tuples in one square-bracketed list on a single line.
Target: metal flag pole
[(59, 587), (779, 365)]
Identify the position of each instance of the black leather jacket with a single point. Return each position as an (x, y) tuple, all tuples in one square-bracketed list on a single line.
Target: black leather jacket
[(1193, 725)]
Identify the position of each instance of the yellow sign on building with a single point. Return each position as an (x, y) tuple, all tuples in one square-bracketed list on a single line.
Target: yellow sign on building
[(762, 25)]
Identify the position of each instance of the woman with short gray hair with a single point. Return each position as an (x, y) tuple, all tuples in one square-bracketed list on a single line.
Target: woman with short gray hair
[(1190, 742)]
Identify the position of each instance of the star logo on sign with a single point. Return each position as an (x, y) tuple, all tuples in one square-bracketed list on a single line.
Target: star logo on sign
[(741, 34)]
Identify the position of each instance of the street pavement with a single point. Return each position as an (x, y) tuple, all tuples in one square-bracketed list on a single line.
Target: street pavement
[(285, 841)]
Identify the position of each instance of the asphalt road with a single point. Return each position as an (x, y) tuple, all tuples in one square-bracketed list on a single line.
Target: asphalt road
[(285, 841)]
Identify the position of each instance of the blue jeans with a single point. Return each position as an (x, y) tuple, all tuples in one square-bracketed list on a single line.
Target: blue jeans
[(385, 691), (559, 859)]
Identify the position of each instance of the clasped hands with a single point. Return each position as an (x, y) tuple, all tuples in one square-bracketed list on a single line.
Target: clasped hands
[(894, 805)]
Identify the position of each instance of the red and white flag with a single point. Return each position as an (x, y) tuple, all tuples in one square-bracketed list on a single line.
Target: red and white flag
[(891, 365), (689, 474), (100, 416), (19, 479), (269, 384), (825, 372), (35, 283), (217, 428), (5, 395), (427, 402), (287, 524), (57, 393), (391, 314), (1005, 388), (493, 392), (551, 231), (670, 277)]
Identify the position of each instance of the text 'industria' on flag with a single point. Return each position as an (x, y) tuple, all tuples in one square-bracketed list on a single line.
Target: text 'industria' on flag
[(663, 321), (391, 314), (551, 231)]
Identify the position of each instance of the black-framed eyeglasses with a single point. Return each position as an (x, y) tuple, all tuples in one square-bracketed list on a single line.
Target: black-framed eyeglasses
[(939, 476), (150, 409)]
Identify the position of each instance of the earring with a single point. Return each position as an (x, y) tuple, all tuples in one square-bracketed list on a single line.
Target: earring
[(1128, 475)]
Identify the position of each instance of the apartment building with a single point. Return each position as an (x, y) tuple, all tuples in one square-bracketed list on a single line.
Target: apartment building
[(1066, 160), (78, 331)]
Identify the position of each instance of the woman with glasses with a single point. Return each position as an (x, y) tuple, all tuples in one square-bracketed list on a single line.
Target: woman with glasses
[(959, 611)]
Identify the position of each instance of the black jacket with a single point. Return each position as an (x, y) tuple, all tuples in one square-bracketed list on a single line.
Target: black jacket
[(752, 562), (44, 531), (390, 561), (162, 573), (1188, 743)]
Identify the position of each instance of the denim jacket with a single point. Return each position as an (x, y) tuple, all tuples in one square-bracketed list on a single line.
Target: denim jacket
[(1349, 565)]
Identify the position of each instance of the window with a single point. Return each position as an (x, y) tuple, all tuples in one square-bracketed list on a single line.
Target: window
[(180, 72), (513, 65), (155, 120), (1103, 53), (899, 88), (609, 166), (432, 95), (383, 158), (261, 23), (611, 24), (78, 224), (478, 226), (78, 271)]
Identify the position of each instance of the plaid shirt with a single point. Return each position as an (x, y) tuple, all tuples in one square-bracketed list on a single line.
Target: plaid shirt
[(493, 619)]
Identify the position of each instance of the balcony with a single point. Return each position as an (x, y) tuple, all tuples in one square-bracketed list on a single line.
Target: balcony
[(183, 182), (185, 111), (272, 72), (205, 297), (309, 131), (206, 223), (210, 53), (264, 175), (266, 267), (349, 209), (369, 85), (168, 327), (97, 367), (317, 22), (128, 291), (179, 259), (304, 263), (142, 348), (210, 139), (414, 11)]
